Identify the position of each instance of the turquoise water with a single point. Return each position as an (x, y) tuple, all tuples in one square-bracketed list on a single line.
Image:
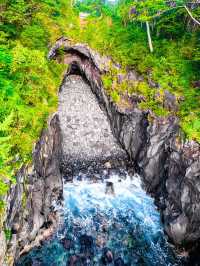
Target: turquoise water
[(120, 228)]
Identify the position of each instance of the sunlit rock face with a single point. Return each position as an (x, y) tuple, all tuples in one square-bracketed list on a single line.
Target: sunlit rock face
[(102, 226)]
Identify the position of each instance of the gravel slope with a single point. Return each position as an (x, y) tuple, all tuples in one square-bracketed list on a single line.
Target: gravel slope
[(85, 128)]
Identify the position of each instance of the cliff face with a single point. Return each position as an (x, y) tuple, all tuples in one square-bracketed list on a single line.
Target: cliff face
[(170, 167), (30, 210)]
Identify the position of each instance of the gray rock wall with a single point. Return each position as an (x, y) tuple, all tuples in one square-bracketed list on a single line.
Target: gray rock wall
[(30, 202), (170, 167)]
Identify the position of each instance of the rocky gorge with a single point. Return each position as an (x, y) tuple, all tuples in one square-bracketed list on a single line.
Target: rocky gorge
[(168, 164)]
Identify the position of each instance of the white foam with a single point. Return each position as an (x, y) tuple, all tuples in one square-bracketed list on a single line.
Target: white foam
[(82, 196)]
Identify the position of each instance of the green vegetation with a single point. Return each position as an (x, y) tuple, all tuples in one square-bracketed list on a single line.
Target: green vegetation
[(120, 31), (157, 38), (8, 234), (28, 81)]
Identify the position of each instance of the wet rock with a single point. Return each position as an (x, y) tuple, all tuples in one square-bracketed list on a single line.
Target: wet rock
[(100, 241), (67, 243), (73, 260), (85, 261), (68, 178), (86, 243), (119, 262), (194, 257), (36, 263), (107, 256), (109, 188)]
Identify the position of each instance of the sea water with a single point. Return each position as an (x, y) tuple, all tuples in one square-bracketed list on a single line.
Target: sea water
[(108, 221)]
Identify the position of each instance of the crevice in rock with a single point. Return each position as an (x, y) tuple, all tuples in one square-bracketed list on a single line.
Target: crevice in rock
[(169, 166)]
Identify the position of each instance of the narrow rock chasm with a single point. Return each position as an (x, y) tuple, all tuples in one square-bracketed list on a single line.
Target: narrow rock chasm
[(108, 219), (86, 140)]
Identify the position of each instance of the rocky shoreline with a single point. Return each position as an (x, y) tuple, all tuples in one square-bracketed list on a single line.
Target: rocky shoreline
[(169, 165)]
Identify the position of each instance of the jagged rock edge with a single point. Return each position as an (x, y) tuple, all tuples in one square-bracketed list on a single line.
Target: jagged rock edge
[(31, 214), (169, 166)]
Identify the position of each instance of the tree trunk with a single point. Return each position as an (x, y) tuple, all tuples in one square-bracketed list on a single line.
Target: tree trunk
[(149, 37)]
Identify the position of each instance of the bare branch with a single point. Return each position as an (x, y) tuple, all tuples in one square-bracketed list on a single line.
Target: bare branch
[(149, 37), (177, 7), (167, 10), (190, 14)]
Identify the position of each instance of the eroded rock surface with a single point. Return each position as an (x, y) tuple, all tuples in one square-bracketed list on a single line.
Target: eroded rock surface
[(170, 167), (30, 202)]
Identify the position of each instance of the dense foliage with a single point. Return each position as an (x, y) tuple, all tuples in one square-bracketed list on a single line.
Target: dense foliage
[(120, 31), (28, 82)]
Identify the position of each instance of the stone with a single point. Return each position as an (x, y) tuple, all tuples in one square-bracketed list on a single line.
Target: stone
[(73, 260), (15, 228), (30, 200), (110, 188), (119, 262), (108, 165), (170, 101), (107, 256), (86, 243), (36, 263), (153, 84), (68, 178), (67, 243)]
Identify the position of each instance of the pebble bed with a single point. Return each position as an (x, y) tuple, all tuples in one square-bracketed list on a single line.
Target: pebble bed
[(85, 128)]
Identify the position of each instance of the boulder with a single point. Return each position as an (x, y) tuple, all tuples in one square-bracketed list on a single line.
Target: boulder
[(170, 101)]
